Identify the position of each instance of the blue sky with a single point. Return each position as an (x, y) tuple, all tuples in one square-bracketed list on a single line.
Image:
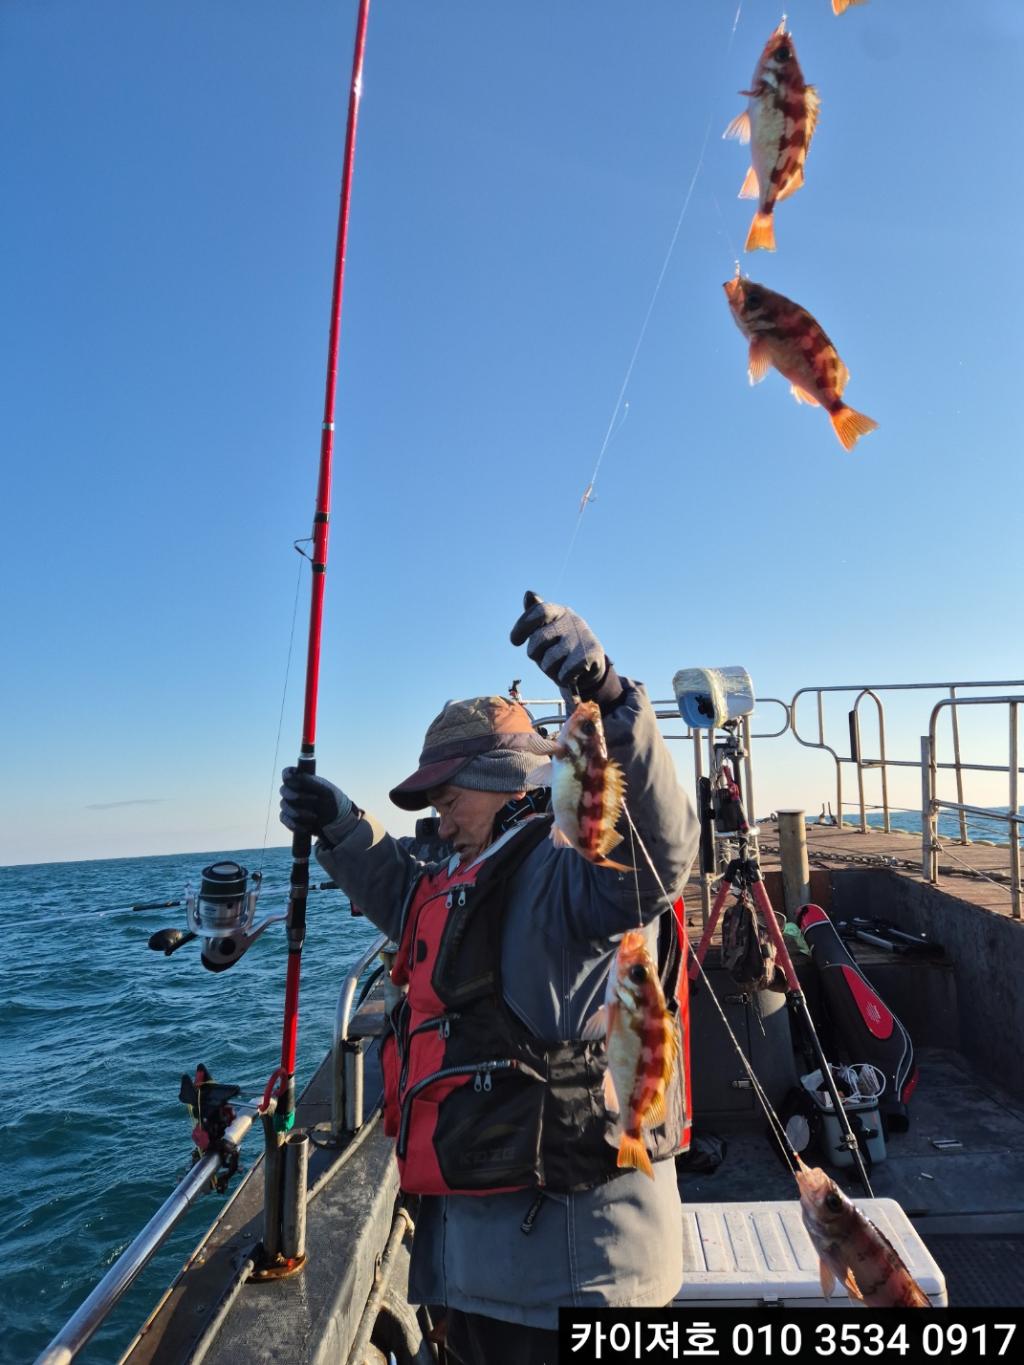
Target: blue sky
[(170, 189)]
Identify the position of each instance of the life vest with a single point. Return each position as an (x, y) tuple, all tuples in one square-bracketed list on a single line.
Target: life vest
[(478, 1105)]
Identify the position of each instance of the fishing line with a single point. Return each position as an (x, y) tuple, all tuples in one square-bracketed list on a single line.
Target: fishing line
[(647, 317), (284, 694), (774, 1122)]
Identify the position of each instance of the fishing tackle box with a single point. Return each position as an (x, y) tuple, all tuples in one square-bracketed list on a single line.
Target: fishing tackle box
[(751, 1254)]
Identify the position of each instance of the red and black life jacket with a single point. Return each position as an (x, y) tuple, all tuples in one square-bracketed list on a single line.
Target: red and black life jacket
[(477, 1103)]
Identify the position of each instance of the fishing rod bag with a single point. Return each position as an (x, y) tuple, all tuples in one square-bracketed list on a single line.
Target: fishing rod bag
[(866, 1030)]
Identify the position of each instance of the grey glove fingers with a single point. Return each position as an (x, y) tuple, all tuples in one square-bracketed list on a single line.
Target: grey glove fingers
[(536, 613)]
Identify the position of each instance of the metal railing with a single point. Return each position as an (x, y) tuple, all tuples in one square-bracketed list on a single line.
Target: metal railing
[(882, 763), (931, 804), (81, 1326), (347, 1054)]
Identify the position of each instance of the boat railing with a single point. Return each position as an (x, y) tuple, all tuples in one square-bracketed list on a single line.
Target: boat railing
[(91, 1314), (882, 761), (932, 804), (347, 1053)]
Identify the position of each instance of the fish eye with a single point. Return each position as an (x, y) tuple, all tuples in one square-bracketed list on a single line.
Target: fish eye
[(782, 53), (832, 1202), (638, 973), (755, 298), (588, 727)]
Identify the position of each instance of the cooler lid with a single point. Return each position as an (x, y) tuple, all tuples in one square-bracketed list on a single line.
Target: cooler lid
[(752, 1251)]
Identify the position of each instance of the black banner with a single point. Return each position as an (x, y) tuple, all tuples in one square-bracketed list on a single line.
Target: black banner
[(779, 1334)]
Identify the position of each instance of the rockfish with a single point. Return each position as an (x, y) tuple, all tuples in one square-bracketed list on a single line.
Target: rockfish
[(779, 123), (587, 788), (641, 1045), (852, 1249), (783, 334)]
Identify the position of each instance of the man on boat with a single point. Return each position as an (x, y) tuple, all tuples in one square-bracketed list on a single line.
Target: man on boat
[(491, 1089)]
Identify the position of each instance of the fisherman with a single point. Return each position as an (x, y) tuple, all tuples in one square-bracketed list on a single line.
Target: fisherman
[(505, 950)]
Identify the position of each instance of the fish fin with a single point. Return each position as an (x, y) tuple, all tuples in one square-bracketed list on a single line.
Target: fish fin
[(615, 793), (597, 1025), (802, 396), (850, 1285), (842, 378), (851, 425), (560, 839), (751, 186), (841, 6), (633, 1153), (761, 236), (826, 1278), (794, 183), (655, 1112), (812, 107), (758, 361), (611, 1100), (607, 862), (739, 128)]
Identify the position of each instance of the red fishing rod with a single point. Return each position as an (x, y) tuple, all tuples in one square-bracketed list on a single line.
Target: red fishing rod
[(302, 843)]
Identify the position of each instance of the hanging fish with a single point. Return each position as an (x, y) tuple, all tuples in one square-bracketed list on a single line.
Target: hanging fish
[(587, 788), (852, 1250), (641, 1045), (783, 334), (841, 6), (779, 122)]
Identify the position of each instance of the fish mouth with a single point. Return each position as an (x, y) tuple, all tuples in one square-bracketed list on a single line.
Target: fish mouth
[(733, 289)]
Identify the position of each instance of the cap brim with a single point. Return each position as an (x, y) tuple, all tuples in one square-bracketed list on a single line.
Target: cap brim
[(412, 793)]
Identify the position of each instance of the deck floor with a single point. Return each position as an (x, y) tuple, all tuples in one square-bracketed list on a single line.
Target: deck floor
[(962, 1202), (832, 847)]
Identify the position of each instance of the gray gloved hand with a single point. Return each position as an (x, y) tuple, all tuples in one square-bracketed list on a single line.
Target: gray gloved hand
[(562, 645), (310, 803)]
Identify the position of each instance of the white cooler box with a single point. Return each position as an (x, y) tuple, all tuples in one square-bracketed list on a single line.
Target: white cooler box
[(745, 1255)]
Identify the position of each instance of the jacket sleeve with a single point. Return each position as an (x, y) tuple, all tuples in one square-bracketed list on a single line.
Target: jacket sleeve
[(574, 898), (375, 870)]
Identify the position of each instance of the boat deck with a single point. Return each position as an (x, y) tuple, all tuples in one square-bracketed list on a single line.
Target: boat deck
[(977, 872)]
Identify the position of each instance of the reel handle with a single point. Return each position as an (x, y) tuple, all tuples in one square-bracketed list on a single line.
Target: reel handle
[(168, 941)]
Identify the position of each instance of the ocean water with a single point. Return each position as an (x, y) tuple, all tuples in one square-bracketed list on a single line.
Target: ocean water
[(979, 827), (96, 1032)]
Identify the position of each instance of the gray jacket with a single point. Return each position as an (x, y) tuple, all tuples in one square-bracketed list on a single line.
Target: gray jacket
[(617, 1244)]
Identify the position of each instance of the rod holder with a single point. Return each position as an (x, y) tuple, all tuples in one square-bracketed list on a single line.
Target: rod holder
[(293, 1211), (272, 1180)]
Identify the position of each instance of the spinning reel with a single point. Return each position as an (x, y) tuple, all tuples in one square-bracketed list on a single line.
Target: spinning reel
[(222, 916)]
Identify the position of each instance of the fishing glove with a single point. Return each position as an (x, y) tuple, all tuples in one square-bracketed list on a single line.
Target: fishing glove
[(564, 647), (310, 803)]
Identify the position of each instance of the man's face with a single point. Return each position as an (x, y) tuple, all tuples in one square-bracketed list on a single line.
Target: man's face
[(467, 817)]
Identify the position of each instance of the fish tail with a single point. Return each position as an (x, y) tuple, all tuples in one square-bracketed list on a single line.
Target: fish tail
[(850, 425), (633, 1153), (761, 236)]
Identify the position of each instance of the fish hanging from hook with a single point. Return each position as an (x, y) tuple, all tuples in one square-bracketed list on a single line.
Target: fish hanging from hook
[(779, 123), (786, 336)]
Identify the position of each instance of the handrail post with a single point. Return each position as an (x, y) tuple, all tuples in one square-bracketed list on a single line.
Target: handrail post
[(929, 858), (1014, 812), (955, 716)]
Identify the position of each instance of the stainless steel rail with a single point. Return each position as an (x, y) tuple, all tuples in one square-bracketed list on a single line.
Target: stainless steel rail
[(883, 762), (84, 1322), (346, 1056), (932, 804)]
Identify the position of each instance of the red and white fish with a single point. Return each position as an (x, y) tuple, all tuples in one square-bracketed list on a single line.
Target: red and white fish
[(779, 122), (587, 788), (783, 334), (641, 1045), (852, 1250)]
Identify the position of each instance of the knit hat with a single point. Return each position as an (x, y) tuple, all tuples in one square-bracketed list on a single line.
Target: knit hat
[(486, 743)]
